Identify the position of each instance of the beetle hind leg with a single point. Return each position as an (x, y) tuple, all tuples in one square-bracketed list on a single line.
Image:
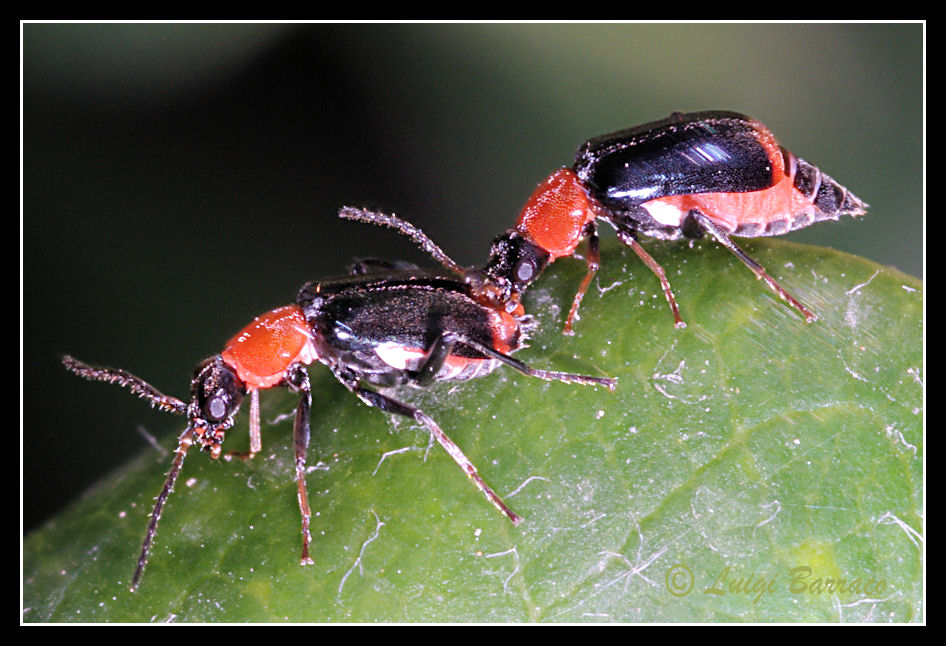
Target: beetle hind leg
[(393, 406), (723, 238)]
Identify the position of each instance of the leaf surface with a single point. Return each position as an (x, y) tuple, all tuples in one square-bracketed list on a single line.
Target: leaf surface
[(733, 452)]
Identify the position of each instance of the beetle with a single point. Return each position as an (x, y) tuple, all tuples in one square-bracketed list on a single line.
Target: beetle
[(385, 325), (691, 174)]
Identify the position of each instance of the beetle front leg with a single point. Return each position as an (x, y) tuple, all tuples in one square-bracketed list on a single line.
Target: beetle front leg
[(298, 379), (722, 237), (256, 438), (594, 262)]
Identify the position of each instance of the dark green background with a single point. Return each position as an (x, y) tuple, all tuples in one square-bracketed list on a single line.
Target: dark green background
[(178, 180)]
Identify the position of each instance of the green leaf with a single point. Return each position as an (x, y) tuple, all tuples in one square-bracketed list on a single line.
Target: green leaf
[(733, 452)]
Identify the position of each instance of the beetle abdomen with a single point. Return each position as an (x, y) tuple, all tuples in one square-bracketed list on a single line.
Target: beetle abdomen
[(802, 196)]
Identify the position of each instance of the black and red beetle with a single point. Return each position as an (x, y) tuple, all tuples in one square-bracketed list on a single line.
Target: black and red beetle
[(381, 326), (720, 173)]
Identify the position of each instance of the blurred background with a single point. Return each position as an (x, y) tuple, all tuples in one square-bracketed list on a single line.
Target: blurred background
[(180, 179)]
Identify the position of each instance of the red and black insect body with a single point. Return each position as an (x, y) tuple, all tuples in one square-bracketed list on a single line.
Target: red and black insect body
[(720, 173), (379, 327), (387, 328)]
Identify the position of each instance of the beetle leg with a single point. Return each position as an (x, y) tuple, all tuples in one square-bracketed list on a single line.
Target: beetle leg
[(627, 237), (437, 354), (389, 405), (515, 364), (594, 262), (443, 346), (297, 378), (256, 439), (709, 226)]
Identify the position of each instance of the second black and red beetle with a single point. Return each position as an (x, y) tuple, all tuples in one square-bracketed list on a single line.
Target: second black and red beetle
[(377, 328), (717, 173)]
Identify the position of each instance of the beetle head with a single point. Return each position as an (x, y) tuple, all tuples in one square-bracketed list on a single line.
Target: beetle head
[(216, 394)]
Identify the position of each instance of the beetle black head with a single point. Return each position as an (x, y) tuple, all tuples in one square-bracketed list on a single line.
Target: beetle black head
[(514, 263), (216, 394)]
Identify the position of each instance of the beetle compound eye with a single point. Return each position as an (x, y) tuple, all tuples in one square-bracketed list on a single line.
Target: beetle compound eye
[(525, 270), (218, 406)]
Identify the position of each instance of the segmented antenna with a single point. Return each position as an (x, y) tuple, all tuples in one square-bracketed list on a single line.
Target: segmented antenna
[(404, 228), (125, 379), (142, 389)]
